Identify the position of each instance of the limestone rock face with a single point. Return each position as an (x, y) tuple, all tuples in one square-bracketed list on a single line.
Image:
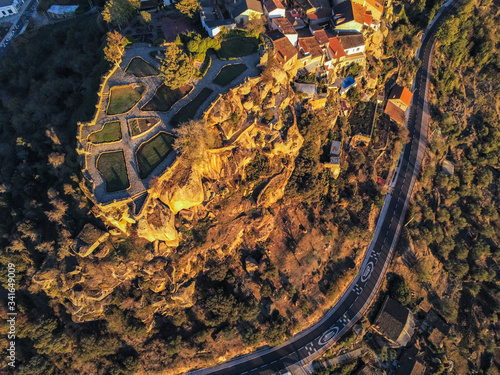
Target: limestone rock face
[(183, 191), (251, 265), (159, 225), (184, 297), (88, 240)]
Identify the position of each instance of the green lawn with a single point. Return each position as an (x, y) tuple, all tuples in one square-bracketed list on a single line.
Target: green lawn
[(238, 47), (123, 98), (110, 132), (114, 171), (165, 98), (140, 68), (187, 112), (228, 73), (151, 153)]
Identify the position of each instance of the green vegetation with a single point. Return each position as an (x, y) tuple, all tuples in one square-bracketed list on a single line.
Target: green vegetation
[(187, 112), (165, 98), (176, 69), (140, 125), (229, 73), (118, 12), (110, 132), (114, 170), (188, 7), (199, 46), (123, 98), (237, 47), (151, 153), (141, 68), (457, 216)]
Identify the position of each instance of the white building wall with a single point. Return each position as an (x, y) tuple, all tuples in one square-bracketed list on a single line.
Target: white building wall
[(352, 51), (8, 11)]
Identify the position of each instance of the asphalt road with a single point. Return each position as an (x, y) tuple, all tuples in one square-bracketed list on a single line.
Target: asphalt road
[(19, 27), (314, 341)]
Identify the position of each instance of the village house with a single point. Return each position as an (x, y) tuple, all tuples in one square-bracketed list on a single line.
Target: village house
[(285, 52), (436, 328), (334, 164), (296, 21), (273, 9), (395, 323), (411, 363), (282, 24), (354, 48), (398, 102), (375, 7), (213, 18), (9, 7), (349, 16), (336, 53), (244, 10), (310, 54)]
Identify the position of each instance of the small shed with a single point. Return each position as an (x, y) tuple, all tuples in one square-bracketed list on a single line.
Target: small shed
[(62, 11)]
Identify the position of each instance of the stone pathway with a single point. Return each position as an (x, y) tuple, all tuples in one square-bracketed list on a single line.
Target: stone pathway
[(130, 145)]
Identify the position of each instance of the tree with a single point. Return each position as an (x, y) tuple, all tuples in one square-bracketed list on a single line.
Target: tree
[(400, 290), (118, 12), (255, 26), (176, 69), (188, 7), (115, 47), (193, 141), (145, 17)]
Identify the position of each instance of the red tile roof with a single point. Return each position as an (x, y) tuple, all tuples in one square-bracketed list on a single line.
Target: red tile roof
[(368, 18), (320, 14), (273, 4), (285, 50), (284, 25), (394, 112), (321, 36), (401, 93), (349, 11), (310, 45), (336, 48)]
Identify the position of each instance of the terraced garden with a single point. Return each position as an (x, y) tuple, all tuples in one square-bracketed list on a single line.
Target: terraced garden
[(151, 153), (165, 98), (140, 68), (110, 132), (140, 125), (123, 98), (114, 171), (187, 112), (237, 47), (228, 73)]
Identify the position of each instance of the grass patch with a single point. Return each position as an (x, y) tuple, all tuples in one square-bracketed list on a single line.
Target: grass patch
[(151, 153), (114, 171), (165, 98), (110, 132), (140, 125), (187, 112), (123, 98), (140, 68), (237, 47), (229, 73)]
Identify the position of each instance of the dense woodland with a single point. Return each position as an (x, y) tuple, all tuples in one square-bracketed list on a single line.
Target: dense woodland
[(457, 216)]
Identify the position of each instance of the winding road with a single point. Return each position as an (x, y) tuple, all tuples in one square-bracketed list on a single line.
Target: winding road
[(314, 341)]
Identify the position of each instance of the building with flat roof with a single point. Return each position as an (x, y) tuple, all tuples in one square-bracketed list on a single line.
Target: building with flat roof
[(9, 7)]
